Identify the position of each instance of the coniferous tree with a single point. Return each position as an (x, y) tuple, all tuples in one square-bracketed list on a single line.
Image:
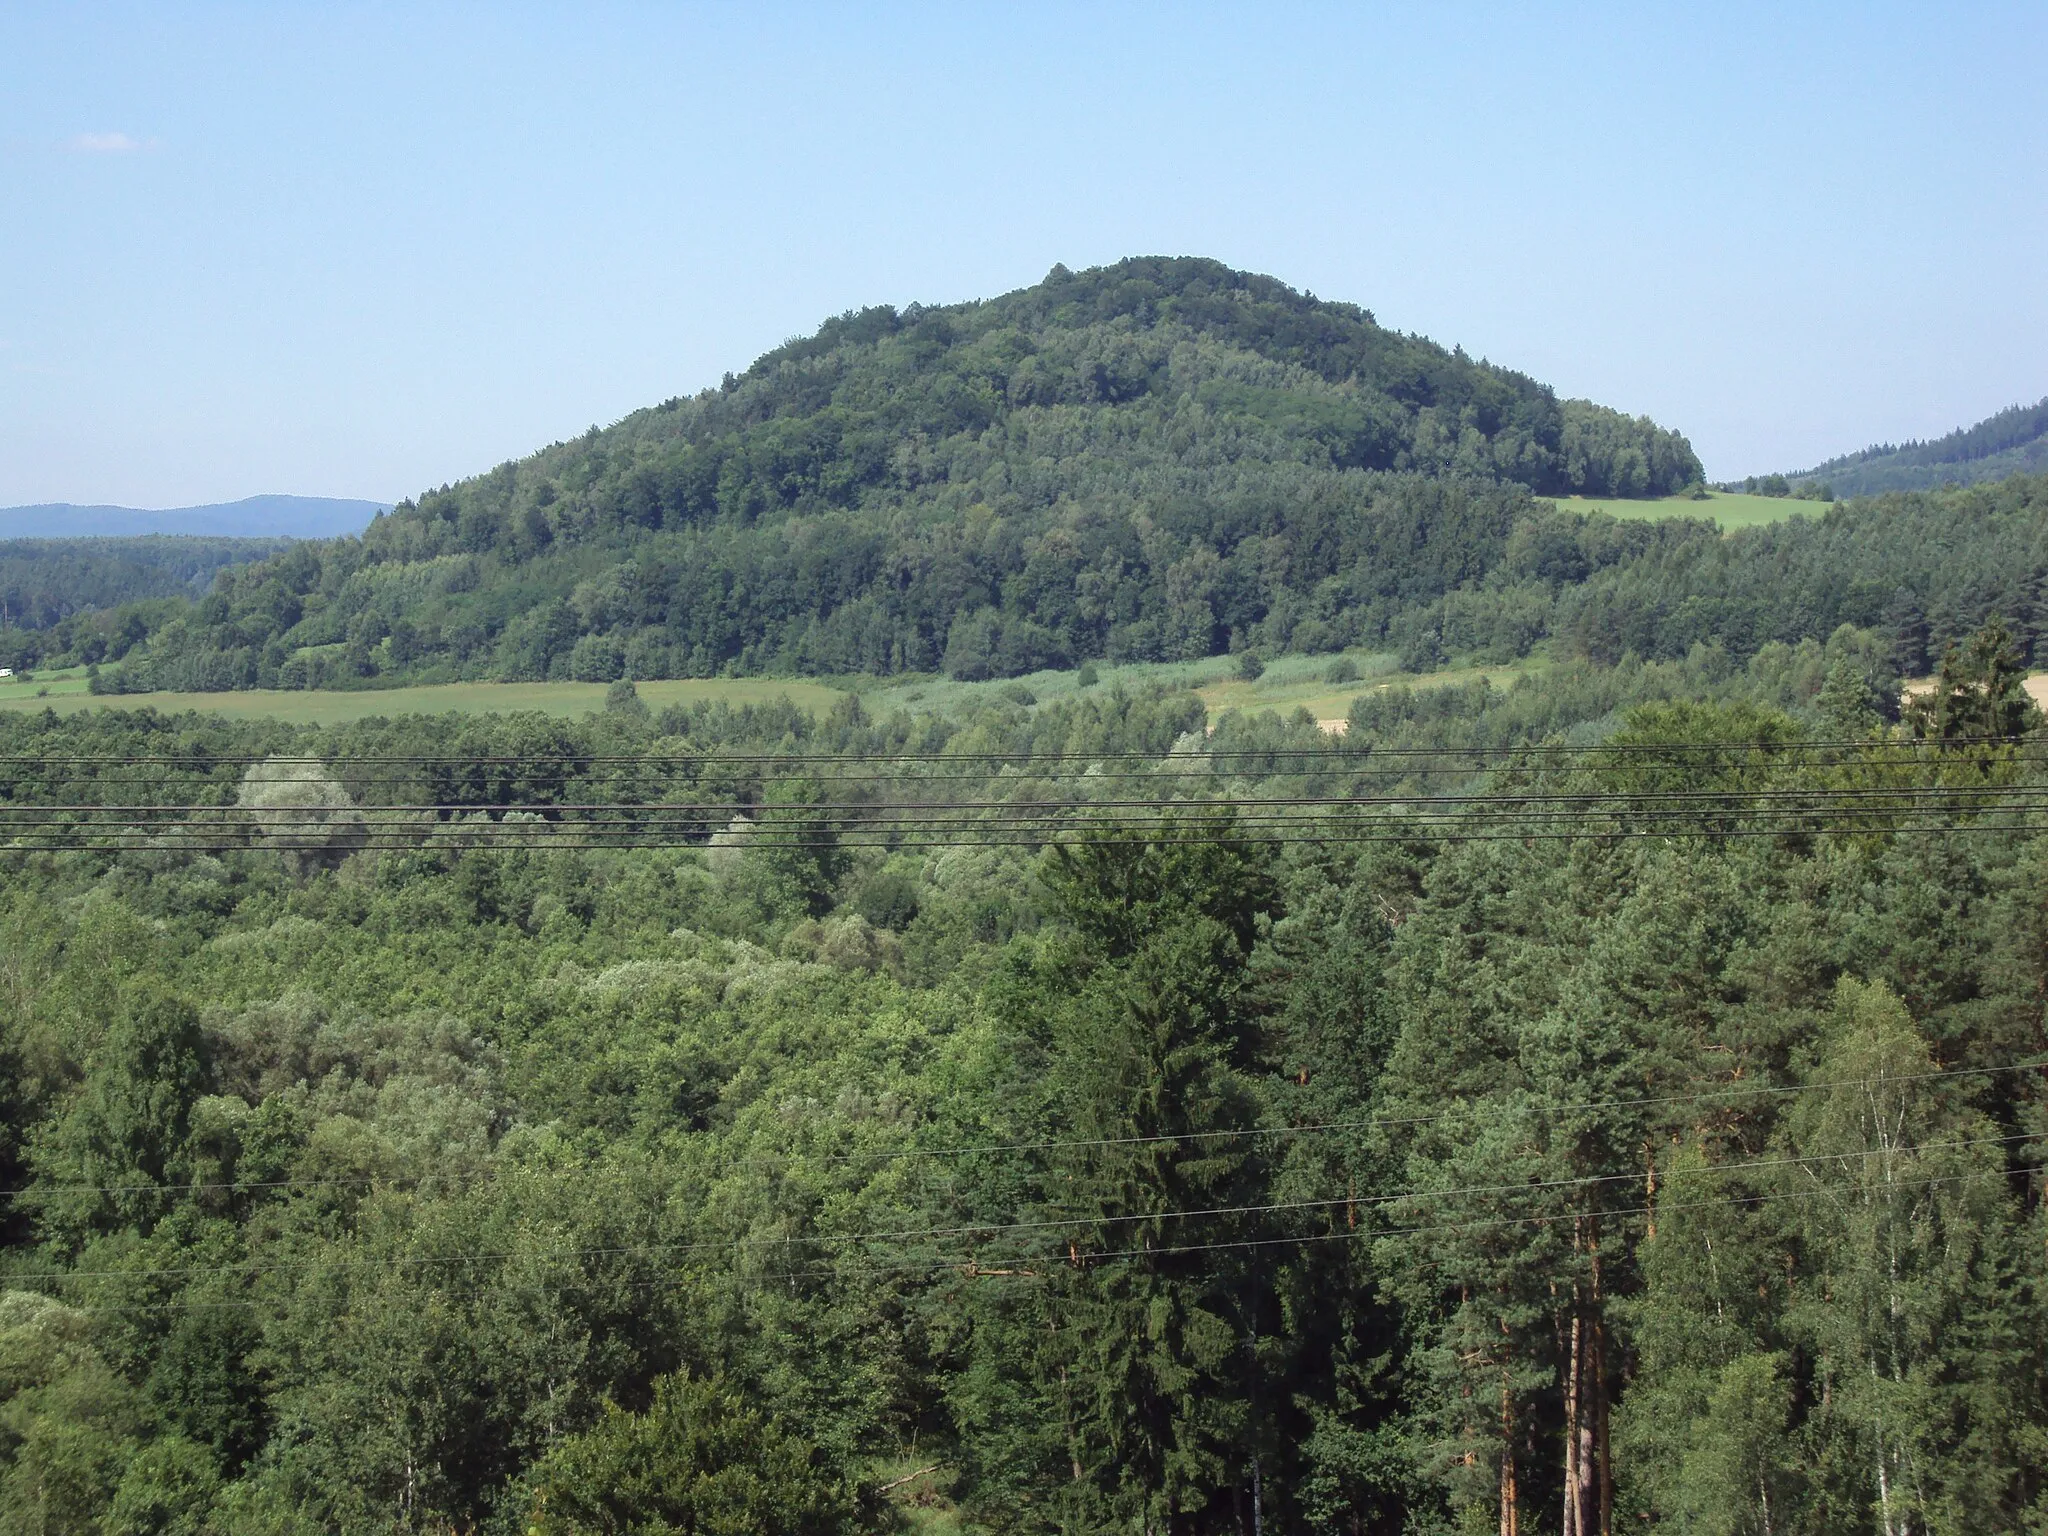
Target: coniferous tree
[(1980, 692), (1147, 1301)]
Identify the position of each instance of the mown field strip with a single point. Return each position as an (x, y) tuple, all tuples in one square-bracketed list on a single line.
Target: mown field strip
[(1730, 509), (323, 707)]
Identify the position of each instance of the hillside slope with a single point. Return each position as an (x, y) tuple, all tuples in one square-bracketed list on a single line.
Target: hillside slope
[(1159, 459), (2013, 442)]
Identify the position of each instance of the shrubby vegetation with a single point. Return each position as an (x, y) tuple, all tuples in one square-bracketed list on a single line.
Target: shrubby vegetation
[(1163, 1184)]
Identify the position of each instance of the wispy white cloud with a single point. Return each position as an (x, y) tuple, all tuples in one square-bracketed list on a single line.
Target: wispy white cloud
[(106, 144)]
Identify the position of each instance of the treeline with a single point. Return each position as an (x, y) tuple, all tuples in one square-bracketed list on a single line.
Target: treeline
[(1154, 460), (1186, 1181), (1927, 568), (2012, 442), (1428, 569)]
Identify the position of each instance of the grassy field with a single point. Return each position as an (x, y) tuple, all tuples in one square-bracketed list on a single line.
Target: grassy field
[(318, 707), (1290, 683), (1730, 509), (941, 695), (1331, 704)]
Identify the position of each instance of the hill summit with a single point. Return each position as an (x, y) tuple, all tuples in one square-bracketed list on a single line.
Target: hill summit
[(1158, 459)]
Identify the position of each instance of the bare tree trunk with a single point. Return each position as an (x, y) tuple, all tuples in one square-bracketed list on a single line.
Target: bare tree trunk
[(1602, 1449), (1067, 1413), (1573, 1413), (1586, 1467), (1884, 1486), (1588, 1497), (1650, 1190), (1510, 1502)]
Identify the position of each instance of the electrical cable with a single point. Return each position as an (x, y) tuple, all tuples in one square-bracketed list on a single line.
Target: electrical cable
[(1374, 1122), (985, 1229), (970, 1267)]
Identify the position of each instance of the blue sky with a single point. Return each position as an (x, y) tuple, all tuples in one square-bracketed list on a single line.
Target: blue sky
[(359, 250)]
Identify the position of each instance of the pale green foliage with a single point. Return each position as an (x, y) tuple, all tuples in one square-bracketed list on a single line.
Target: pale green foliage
[(299, 809), (68, 1424), (1908, 1233)]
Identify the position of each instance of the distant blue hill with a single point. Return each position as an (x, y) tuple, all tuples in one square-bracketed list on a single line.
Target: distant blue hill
[(255, 517)]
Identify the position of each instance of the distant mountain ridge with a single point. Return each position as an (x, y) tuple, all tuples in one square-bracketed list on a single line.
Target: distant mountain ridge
[(2013, 442), (253, 517)]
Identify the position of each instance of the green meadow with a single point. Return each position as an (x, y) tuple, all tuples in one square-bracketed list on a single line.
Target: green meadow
[(1729, 509), (1288, 684)]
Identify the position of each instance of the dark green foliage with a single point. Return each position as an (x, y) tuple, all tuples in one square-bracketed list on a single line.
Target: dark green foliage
[(699, 1462), (1140, 1356), (1979, 693), (1930, 567), (204, 1382), (125, 1132), (55, 593)]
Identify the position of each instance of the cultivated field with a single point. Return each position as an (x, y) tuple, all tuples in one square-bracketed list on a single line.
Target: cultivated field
[(67, 695)]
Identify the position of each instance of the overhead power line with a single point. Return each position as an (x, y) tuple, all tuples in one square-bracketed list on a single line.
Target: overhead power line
[(719, 757), (970, 1265), (987, 1230), (1731, 1093), (815, 811)]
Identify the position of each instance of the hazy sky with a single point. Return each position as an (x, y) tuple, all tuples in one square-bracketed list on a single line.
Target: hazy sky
[(357, 250)]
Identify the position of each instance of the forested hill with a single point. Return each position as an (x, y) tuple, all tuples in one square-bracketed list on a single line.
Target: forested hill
[(2013, 442), (1149, 460)]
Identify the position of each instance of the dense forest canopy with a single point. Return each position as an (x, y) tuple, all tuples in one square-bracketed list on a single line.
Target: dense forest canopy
[(2012, 442), (46, 581), (1159, 459), (1652, 1142)]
